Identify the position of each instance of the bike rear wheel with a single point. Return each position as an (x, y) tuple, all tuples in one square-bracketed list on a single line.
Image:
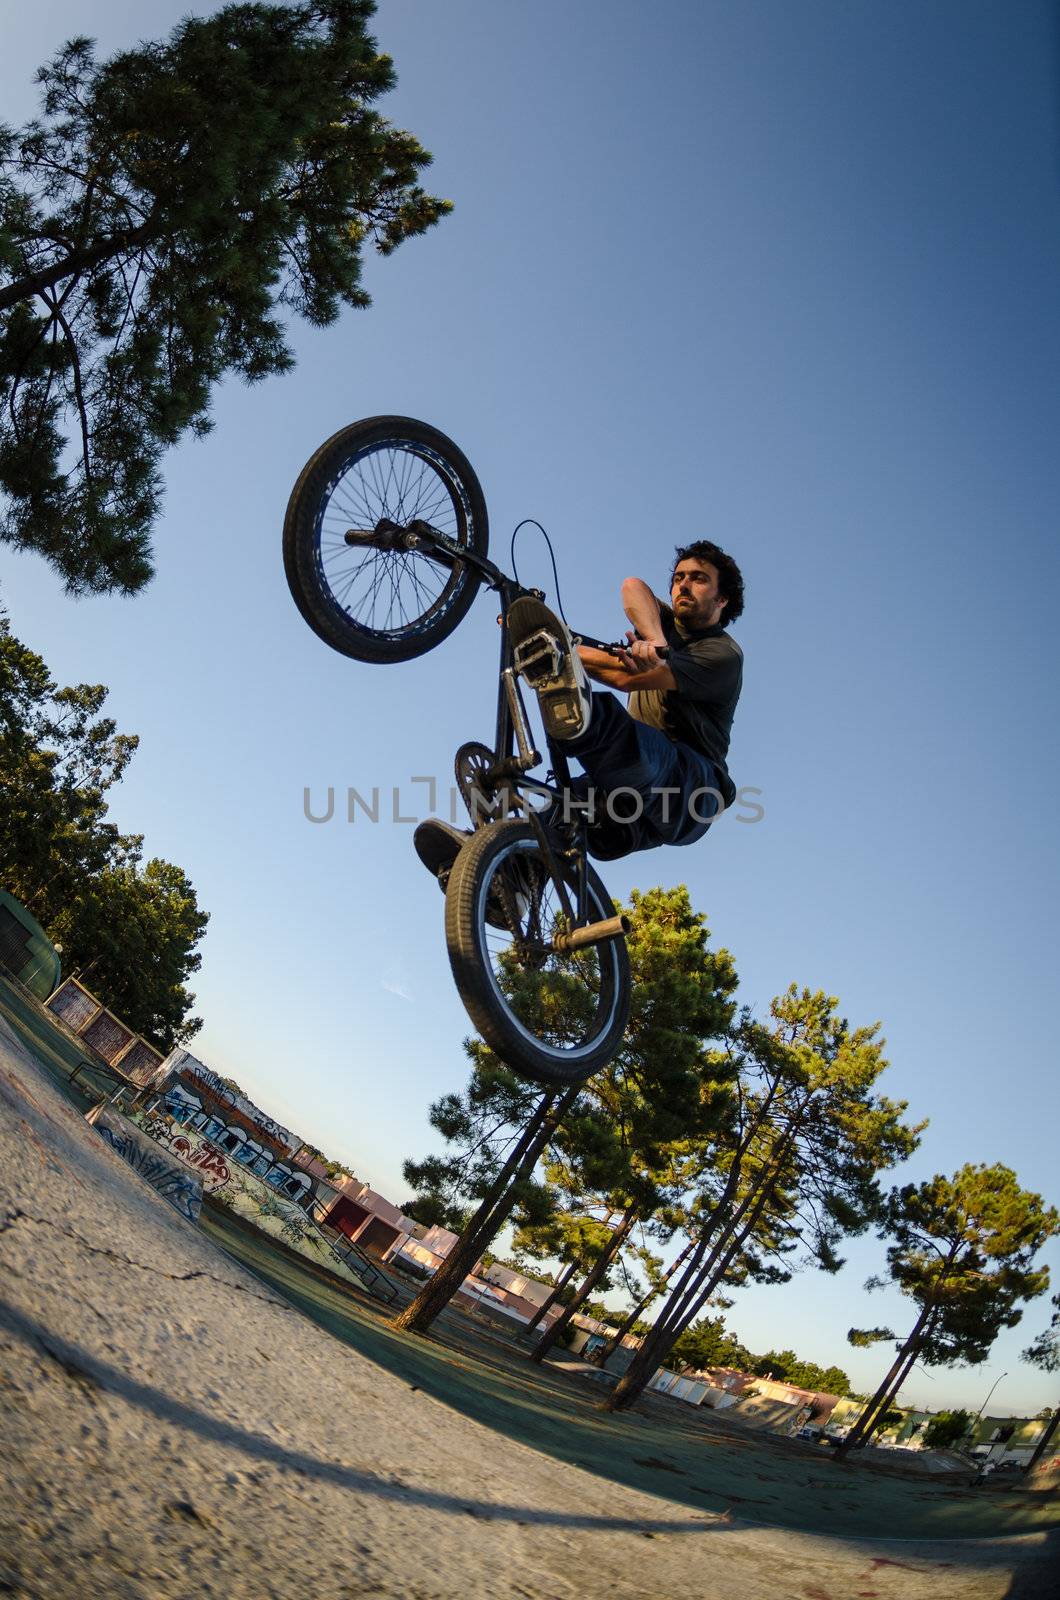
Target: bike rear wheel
[(553, 1017), (357, 589)]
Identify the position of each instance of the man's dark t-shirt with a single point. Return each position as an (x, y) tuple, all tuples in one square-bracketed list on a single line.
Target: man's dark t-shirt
[(708, 666)]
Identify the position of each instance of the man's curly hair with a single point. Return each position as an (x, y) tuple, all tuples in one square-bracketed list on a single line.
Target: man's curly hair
[(730, 578)]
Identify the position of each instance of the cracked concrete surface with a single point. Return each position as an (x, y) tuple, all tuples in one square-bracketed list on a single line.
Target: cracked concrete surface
[(17, 1215), (170, 1429)]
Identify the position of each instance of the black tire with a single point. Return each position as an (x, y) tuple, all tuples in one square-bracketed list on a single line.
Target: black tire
[(555, 1019), (373, 604)]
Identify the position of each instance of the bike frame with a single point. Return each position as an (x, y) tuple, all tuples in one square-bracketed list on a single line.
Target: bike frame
[(514, 754)]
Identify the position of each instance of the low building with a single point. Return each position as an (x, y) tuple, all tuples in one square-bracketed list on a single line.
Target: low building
[(25, 949), (522, 1296), (370, 1221), (1007, 1439)]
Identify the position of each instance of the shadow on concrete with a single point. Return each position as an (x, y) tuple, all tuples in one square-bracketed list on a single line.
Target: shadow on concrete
[(87, 1369), (1038, 1576), (660, 1447)]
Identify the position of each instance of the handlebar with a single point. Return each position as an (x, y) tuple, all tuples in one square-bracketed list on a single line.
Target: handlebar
[(618, 647), (389, 535)]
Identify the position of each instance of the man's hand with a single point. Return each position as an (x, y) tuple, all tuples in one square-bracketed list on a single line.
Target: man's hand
[(641, 655), (639, 667)]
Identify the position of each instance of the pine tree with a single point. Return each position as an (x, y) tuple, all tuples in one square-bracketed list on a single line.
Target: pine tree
[(131, 930), (662, 1084), (1045, 1353), (799, 1167), (963, 1251), (157, 222)]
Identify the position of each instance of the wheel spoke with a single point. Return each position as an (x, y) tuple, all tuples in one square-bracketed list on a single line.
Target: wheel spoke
[(390, 592)]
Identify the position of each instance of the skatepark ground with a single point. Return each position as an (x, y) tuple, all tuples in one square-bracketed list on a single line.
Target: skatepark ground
[(194, 1411)]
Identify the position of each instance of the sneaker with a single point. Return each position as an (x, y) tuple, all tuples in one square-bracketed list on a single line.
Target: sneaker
[(546, 657), (438, 844)]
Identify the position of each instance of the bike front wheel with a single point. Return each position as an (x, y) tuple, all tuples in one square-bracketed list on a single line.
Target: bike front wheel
[(354, 584), (555, 1017)]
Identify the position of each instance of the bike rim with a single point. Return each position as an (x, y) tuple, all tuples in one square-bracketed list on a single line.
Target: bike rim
[(390, 594), (567, 1004)]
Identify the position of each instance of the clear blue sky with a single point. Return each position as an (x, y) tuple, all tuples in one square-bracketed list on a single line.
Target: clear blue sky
[(784, 276)]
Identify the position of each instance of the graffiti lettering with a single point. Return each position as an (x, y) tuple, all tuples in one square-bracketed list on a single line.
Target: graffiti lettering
[(215, 1172)]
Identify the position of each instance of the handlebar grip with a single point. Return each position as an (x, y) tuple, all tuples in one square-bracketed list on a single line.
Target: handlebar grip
[(616, 647), (661, 650)]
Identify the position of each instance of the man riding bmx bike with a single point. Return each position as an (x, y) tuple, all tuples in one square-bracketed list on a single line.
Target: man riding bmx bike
[(654, 772)]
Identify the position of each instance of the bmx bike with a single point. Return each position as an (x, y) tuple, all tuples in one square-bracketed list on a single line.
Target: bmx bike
[(385, 547)]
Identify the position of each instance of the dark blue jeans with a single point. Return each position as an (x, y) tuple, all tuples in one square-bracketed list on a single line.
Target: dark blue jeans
[(629, 766)]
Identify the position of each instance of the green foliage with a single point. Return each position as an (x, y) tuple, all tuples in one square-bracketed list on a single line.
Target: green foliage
[(786, 1366), (131, 933), (796, 1165), (819, 1076), (613, 1154), (513, 1263), (947, 1429), (434, 1211), (1045, 1351), (963, 1250), (58, 758), (129, 928), (618, 1143), (708, 1343), (861, 1338), (157, 221), (799, 1164), (566, 1236), (480, 1127)]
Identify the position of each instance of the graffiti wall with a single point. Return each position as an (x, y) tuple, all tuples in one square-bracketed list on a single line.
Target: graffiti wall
[(242, 1192), (180, 1063), (226, 1127), (170, 1177)]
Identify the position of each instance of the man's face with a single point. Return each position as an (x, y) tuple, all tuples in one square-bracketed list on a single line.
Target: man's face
[(694, 594)]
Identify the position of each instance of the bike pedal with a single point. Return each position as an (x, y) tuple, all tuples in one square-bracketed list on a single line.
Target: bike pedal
[(538, 658)]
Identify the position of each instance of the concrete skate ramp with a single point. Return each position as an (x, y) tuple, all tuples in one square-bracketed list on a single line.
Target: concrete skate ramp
[(777, 1415), (167, 1176), (229, 1184), (173, 1426)]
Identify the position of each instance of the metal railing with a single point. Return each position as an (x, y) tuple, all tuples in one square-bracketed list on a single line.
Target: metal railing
[(373, 1278)]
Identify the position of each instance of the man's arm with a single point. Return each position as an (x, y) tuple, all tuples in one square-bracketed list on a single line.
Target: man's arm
[(638, 667), (643, 609)]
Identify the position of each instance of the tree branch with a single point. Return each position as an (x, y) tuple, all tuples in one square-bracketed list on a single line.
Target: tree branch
[(79, 394), (76, 262)]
